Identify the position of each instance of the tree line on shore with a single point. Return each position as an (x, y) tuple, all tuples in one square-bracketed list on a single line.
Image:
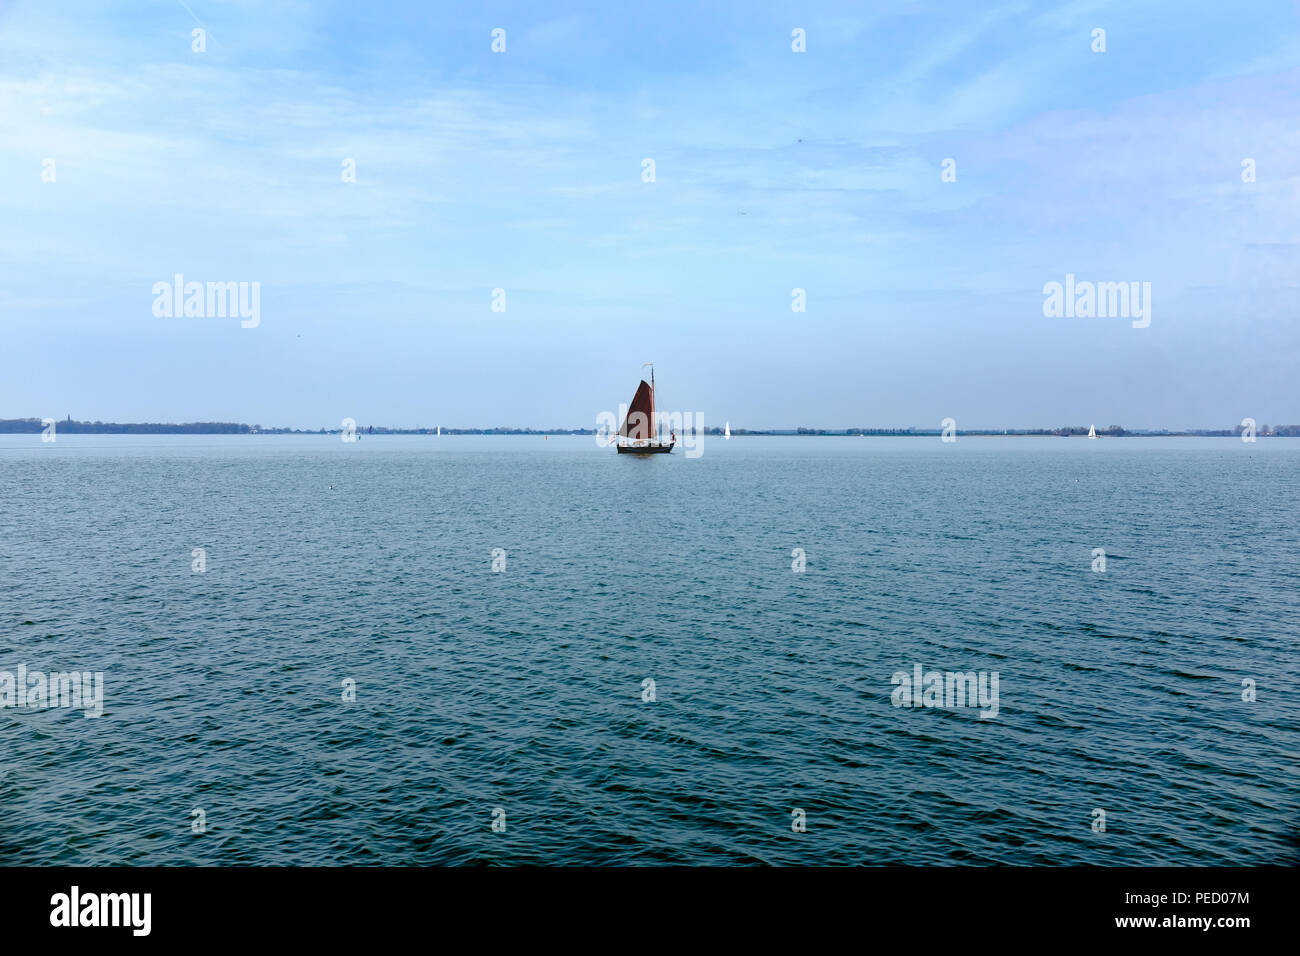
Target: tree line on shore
[(71, 427)]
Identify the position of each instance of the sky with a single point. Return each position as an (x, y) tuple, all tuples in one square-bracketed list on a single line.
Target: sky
[(774, 170)]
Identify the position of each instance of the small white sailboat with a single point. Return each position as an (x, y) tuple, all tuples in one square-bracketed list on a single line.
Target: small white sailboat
[(1092, 431), (439, 431), (726, 433)]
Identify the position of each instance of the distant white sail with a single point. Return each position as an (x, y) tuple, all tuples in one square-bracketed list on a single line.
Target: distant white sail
[(1092, 431), (439, 431), (727, 432)]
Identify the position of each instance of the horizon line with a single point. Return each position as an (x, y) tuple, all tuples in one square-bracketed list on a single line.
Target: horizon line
[(79, 426)]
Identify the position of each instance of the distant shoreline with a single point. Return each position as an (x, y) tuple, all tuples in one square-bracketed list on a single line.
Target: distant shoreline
[(17, 426)]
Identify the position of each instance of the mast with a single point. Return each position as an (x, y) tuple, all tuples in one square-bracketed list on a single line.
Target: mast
[(653, 434)]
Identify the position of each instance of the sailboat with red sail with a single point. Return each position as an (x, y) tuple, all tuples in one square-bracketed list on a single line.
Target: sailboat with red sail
[(638, 435)]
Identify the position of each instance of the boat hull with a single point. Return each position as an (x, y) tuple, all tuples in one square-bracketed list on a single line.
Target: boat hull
[(651, 449)]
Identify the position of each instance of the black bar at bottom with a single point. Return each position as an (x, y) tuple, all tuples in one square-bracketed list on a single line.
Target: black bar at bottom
[(944, 906)]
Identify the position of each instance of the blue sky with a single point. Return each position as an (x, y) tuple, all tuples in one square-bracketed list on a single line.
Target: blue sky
[(775, 170)]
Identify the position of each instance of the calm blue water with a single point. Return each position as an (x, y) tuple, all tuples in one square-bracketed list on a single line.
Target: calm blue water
[(523, 689)]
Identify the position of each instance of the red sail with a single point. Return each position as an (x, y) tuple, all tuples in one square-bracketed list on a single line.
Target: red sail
[(639, 423)]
